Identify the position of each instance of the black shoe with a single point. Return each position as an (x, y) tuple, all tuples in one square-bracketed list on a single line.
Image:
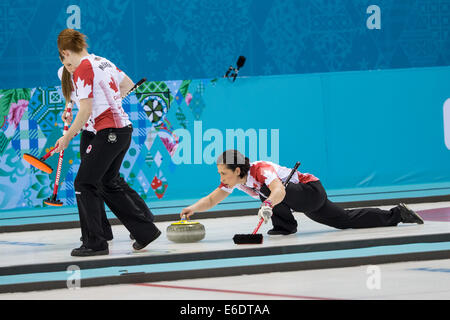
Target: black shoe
[(280, 232), (84, 251), (408, 215), (138, 246), (131, 237)]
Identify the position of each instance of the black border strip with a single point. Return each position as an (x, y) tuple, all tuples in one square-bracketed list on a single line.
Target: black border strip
[(151, 208), (228, 271), (115, 221), (215, 214), (222, 254)]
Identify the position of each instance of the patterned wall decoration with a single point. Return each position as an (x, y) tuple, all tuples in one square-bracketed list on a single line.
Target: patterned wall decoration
[(326, 121), (31, 123), (195, 39), (184, 39)]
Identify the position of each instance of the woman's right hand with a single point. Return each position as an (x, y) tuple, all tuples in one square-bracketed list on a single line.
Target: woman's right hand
[(67, 116), (186, 213)]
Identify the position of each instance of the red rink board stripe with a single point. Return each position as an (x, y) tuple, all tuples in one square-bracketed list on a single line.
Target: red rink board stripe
[(234, 291), (438, 214)]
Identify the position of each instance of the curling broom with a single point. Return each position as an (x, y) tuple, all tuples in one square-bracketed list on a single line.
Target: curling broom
[(257, 238), (40, 163), (52, 201)]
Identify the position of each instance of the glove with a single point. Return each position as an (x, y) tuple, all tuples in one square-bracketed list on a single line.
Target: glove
[(265, 212)]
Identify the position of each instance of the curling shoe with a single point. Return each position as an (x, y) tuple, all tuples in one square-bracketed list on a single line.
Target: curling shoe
[(280, 232), (137, 246), (84, 251), (408, 215)]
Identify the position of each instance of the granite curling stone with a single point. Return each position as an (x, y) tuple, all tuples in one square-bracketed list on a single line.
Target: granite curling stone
[(185, 231)]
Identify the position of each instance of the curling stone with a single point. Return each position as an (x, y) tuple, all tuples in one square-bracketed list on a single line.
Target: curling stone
[(185, 231)]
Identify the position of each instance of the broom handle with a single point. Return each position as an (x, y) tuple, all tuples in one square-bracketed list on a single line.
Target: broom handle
[(258, 226), (48, 154), (61, 155), (297, 164), (290, 175), (66, 127), (284, 184), (136, 86)]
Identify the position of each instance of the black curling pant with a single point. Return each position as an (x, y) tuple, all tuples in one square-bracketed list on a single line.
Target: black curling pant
[(85, 141), (98, 180), (311, 199)]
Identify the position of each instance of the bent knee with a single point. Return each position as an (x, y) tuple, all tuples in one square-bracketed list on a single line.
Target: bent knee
[(84, 183)]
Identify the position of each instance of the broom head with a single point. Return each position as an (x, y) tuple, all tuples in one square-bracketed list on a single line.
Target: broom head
[(37, 163), (256, 238), (53, 202)]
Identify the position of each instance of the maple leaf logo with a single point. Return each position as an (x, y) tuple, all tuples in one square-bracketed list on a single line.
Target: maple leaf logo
[(83, 88), (112, 85), (269, 174)]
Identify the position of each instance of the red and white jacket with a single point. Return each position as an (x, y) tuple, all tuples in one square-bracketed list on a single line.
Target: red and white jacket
[(99, 79), (263, 173), (89, 126)]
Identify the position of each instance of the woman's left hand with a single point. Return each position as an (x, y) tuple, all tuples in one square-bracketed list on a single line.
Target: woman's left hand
[(265, 212), (62, 144)]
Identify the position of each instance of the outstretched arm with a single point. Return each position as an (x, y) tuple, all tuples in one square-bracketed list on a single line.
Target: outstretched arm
[(205, 203)]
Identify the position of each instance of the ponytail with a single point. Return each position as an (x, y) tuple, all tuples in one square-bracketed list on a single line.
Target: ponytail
[(66, 84)]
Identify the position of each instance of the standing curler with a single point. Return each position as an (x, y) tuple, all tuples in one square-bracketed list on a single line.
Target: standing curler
[(100, 87)]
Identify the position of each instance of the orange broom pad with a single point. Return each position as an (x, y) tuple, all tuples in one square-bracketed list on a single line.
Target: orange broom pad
[(53, 203), (37, 163)]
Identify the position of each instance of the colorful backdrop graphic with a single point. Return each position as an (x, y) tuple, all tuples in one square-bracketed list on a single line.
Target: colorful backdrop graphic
[(372, 134), (194, 39), (31, 123), (361, 108)]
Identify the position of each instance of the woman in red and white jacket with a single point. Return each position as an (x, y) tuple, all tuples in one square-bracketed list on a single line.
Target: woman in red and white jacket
[(263, 180), (86, 136), (99, 86)]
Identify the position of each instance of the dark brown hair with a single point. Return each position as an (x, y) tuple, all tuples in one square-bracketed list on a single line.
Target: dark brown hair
[(234, 159), (66, 82), (73, 40)]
